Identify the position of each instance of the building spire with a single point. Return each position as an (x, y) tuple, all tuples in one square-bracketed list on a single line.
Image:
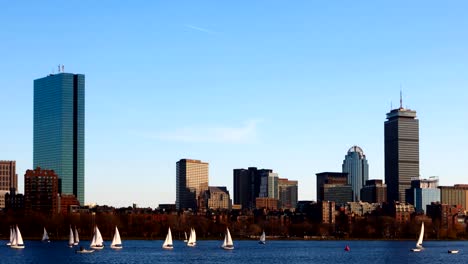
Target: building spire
[(401, 98)]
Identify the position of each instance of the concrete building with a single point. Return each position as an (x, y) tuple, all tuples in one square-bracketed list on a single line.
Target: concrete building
[(336, 178), (328, 215), (2, 199), (423, 192), (217, 198), (455, 195), (266, 203), (355, 164), (287, 193), (401, 152), (375, 191), (59, 134), (41, 191), (361, 208), (8, 176), (191, 182)]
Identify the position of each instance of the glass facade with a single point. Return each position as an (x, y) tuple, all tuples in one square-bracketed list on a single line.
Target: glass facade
[(59, 120), (355, 164), (191, 183)]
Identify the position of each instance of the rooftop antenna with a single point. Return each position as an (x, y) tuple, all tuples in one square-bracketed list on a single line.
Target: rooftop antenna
[(58, 68), (401, 98), (63, 68)]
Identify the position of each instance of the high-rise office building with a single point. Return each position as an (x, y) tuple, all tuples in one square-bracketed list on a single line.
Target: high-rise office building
[(287, 193), (374, 192), (333, 179), (401, 152), (8, 176), (217, 198), (355, 164), (59, 120), (455, 195), (268, 184), (423, 192), (191, 182), (247, 186)]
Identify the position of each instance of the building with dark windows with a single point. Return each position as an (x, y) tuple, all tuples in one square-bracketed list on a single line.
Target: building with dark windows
[(423, 192), (191, 183), (401, 152), (268, 184), (287, 193), (332, 178), (247, 186), (41, 191), (14, 201), (355, 164), (338, 193), (8, 176), (375, 191), (59, 120)]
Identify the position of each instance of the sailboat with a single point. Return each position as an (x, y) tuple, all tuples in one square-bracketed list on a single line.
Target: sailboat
[(168, 242), (185, 240), (419, 246), (116, 241), (45, 236), (192, 241), (17, 242), (262, 239), (227, 244), (71, 239), (12, 234), (96, 242), (77, 238)]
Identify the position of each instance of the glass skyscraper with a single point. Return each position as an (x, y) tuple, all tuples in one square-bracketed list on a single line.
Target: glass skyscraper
[(191, 183), (355, 164), (59, 120)]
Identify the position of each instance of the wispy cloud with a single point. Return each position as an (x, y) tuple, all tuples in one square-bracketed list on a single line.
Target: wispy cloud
[(200, 29), (211, 134)]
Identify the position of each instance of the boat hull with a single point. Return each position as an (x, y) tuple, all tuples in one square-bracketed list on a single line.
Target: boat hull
[(262, 242), (84, 251), (168, 247), (453, 251), (17, 246), (416, 249), (98, 247), (228, 247), (116, 246)]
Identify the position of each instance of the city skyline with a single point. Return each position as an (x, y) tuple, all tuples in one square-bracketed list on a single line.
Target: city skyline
[(287, 87)]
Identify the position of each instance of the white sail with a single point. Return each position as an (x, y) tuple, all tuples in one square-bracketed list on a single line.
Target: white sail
[(97, 242), (421, 237), (12, 234), (13, 239), (45, 236), (263, 238), (71, 239), (116, 241), (77, 238), (185, 240), (17, 239), (228, 244), (168, 242), (192, 239)]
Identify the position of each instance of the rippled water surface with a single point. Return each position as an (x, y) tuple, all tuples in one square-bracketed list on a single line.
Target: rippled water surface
[(244, 252)]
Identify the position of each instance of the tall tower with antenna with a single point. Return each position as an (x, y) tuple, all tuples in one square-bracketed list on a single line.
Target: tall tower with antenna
[(401, 151)]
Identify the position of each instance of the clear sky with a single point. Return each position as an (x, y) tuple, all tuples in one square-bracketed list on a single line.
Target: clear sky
[(284, 85)]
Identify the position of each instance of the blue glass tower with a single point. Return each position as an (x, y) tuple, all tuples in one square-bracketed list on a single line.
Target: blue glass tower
[(59, 129), (355, 164)]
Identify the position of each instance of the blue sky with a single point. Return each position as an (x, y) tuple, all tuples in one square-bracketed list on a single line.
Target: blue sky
[(286, 85)]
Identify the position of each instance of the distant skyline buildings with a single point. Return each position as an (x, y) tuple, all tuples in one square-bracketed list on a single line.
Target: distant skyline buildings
[(246, 183), (191, 183), (355, 164), (401, 139), (423, 192), (59, 129), (288, 193), (8, 176)]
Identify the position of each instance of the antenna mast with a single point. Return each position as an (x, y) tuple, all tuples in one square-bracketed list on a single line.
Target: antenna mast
[(401, 98)]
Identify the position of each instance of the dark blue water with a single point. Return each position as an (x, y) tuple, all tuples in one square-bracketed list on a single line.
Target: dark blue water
[(294, 252)]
